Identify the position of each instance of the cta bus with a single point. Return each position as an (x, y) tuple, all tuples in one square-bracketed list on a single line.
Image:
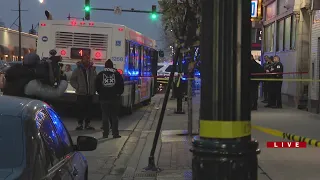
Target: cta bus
[(133, 54)]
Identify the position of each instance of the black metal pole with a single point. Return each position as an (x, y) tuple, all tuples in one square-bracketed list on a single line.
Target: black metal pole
[(224, 149), (124, 10), (151, 164), (19, 58), (178, 86)]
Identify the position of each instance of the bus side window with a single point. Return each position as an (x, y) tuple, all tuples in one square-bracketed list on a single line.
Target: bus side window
[(147, 62), (131, 57)]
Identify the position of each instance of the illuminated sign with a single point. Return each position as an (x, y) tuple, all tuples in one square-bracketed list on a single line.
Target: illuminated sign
[(254, 8), (78, 53)]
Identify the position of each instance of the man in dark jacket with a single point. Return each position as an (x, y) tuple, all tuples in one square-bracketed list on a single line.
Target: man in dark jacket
[(83, 79), (266, 85), (277, 68), (22, 80), (254, 85), (110, 86)]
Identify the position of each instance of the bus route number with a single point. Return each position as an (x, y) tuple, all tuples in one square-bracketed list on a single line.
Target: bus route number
[(117, 59)]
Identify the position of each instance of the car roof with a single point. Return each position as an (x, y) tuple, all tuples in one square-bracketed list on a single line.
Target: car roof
[(16, 106)]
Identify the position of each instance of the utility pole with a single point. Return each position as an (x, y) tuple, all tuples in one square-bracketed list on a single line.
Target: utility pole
[(224, 148), (19, 30), (19, 26)]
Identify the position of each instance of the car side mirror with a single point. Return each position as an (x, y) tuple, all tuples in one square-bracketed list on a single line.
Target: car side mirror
[(86, 143)]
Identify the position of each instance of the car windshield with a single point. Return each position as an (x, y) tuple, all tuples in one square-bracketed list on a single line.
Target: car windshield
[(11, 142)]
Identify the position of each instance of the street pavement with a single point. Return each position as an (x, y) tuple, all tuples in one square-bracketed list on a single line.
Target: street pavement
[(127, 157), (111, 156), (291, 164)]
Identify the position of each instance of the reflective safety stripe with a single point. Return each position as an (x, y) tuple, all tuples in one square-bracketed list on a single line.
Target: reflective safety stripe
[(224, 129), (164, 79), (163, 82)]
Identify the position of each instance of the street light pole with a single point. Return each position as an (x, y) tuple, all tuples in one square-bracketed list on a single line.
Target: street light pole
[(224, 148), (19, 1)]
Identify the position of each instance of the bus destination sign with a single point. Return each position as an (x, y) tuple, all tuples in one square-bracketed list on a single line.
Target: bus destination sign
[(78, 53)]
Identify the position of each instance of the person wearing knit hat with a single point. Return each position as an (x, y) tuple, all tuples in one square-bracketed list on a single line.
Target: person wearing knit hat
[(110, 86)]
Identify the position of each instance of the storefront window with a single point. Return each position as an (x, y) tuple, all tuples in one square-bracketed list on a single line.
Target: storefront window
[(268, 37), (287, 33), (280, 35), (293, 32)]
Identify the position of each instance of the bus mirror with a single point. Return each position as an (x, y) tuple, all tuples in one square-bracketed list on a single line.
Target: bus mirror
[(161, 53)]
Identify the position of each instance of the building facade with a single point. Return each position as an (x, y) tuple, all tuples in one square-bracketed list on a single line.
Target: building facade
[(256, 31), (314, 95), (9, 44), (286, 33)]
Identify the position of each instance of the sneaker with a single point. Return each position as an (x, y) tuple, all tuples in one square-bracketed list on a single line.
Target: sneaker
[(116, 136), (88, 127), (79, 127)]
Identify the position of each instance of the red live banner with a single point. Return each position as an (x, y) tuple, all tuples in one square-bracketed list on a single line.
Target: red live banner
[(286, 144)]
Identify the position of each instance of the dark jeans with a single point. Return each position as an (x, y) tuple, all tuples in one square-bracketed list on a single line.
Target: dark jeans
[(84, 108), (110, 111), (266, 89), (275, 96), (254, 95)]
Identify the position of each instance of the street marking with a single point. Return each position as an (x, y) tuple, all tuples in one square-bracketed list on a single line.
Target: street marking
[(224, 129)]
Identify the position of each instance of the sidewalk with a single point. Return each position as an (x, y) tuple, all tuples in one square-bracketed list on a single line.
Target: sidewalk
[(174, 157), (126, 158), (172, 153)]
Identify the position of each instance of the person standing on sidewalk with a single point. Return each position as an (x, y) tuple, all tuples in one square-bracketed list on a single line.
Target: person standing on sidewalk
[(110, 86), (277, 67), (254, 85), (83, 80), (266, 89)]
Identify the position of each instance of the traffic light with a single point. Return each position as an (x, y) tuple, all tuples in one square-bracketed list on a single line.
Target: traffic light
[(154, 14), (87, 9)]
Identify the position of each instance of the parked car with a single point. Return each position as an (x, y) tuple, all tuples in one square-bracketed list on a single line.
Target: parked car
[(3, 66), (36, 145)]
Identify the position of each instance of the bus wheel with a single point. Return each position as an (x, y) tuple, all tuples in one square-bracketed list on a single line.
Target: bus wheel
[(129, 109)]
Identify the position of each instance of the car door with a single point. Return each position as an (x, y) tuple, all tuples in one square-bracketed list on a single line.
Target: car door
[(58, 166), (76, 159)]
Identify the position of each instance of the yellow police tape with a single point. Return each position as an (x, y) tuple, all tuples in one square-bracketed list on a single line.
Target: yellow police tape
[(268, 79), (288, 136), (224, 129), (286, 79), (237, 129)]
